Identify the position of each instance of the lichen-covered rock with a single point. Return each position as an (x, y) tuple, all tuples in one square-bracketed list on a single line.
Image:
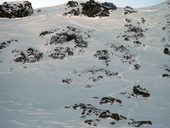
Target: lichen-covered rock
[(16, 9)]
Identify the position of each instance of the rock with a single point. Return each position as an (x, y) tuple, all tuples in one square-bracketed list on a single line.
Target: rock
[(61, 53), (164, 28), (67, 81), (6, 43), (39, 10), (124, 53), (104, 13), (137, 90), (163, 39), (139, 123), (166, 51), (16, 9), (73, 12), (135, 29), (166, 75), (112, 123), (110, 100), (73, 34), (108, 114), (30, 56), (60, 38), (143, 20), (128, 10), (91, 8), (103, 55), (128, 20), (119, 48), (90, 122), (45, 33), (137, 42), (105, 114), (115, 116), (72, 4), (108, 6), (97, 74), (136, 66)]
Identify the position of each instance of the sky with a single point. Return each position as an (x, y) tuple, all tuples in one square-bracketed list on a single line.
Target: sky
[(119, 3)]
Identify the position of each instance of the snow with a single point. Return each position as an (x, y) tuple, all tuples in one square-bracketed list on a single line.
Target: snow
[(32, 95)]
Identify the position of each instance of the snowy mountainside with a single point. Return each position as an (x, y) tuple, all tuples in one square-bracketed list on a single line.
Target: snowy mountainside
[(81, 72)]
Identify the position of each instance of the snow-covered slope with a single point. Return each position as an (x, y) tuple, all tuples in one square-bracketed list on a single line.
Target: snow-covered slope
[(65, 84)]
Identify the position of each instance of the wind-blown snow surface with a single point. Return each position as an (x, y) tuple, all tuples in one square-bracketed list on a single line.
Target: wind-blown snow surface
[(32, 95)]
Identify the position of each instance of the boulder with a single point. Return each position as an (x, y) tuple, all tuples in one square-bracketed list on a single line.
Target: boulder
[(166, 51), (30, 56), (137, 90), (16, 9), (104, 13), (72, 4), (109, 6), (73, 12), (128, 10), (91, 8)]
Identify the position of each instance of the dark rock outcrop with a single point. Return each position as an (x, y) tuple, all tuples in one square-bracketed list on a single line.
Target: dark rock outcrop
[(104, 13), (90, 122), (6, 43), (70, 35), (128, 10), (110, 100), (88, 110), (139, 123), (166, 51), (109, 6), (30, 56), (16, 9), (91, 8), (103, 55), (72, 4), (67, 81), (124, 53), (137, 90), (108, 114), (61, 53), (136, 66), (73, 12)]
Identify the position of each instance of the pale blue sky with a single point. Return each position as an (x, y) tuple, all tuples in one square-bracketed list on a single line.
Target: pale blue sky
[(119, 3)]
